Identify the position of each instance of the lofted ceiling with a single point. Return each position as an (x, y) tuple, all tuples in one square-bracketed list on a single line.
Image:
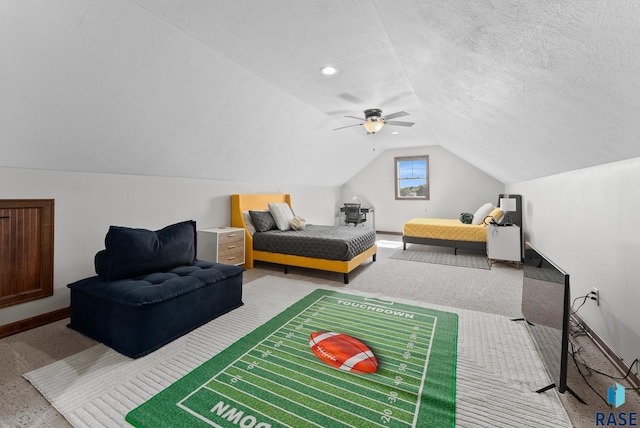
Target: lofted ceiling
[(232, 90)]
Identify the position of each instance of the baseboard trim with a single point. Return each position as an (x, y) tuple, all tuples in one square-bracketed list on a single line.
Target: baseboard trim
[(621, 365), (33, 322)]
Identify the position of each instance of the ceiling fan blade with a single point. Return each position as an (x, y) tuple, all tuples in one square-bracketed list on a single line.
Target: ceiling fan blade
[(359, 118), (398, 114), (348, 126), (394, 98), (350, 98), (398, 123)]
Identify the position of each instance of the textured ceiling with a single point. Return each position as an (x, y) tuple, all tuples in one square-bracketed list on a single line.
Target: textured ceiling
[(232, 90)]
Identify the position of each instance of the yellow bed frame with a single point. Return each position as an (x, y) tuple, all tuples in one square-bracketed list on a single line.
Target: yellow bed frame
[(240, 203)]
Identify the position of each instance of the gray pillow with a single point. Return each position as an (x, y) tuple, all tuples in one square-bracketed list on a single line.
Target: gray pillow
[(262, 220)]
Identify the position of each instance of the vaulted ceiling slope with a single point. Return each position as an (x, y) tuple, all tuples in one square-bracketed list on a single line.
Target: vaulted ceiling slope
[(232, 90)]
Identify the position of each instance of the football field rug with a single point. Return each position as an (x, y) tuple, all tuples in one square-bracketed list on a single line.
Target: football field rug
[(330, 360)]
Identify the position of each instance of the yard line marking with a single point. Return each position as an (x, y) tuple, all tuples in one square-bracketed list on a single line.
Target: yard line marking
[(389, 355), (337, 376), (370, 410), (340, 381)]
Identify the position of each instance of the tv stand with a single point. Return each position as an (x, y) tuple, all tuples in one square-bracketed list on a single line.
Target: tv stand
[(569, 390), (521, 319), (553, 385)]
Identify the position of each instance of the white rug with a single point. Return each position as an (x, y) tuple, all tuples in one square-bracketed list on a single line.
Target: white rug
[(497, 369)]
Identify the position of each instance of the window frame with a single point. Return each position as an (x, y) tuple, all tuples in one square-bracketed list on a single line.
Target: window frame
[(396, 162)]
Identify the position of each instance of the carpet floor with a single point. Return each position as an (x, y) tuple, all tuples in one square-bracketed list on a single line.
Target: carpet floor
[(498, 367)]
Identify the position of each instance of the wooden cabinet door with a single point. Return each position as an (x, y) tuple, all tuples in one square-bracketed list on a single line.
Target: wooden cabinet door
[(26, 250)]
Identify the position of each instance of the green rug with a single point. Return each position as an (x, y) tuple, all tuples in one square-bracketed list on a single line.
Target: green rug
[(271, 378)]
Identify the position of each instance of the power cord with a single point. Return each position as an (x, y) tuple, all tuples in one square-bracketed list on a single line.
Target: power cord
[(575, 350), (580, 330), (592, 370), (590, 295), (575, 361), (585, 298)]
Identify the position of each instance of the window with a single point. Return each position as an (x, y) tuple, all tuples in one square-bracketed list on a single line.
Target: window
[(412, 177)]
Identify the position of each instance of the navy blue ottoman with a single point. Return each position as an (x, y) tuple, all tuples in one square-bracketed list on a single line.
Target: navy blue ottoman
[(139, 313)]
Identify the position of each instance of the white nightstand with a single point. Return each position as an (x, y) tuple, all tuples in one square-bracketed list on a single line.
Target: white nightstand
[(221, 245), (504, 244)]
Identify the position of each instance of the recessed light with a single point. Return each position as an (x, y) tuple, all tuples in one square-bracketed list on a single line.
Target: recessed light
[(329, 70), (395, 132)]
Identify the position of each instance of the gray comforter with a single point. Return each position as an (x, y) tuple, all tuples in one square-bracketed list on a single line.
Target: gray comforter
[(321, 242)]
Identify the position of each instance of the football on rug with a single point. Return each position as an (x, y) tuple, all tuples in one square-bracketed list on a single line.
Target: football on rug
[(342, 351), (330, 360)]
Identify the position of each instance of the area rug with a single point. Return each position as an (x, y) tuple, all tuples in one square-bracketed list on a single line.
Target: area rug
[(331, 359), (497, 366), (476, 261)]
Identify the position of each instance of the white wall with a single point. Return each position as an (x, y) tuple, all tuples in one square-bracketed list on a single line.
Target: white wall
[(587, 222), (455, 187), (86, 204)]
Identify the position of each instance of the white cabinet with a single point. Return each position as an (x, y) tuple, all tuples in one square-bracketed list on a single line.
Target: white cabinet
[(221, 245), (503, 243)]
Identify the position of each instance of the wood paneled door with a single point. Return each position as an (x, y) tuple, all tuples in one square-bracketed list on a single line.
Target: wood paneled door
[(26, 250)]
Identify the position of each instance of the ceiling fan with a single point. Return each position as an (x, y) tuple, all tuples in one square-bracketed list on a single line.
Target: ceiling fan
[(374, 121)]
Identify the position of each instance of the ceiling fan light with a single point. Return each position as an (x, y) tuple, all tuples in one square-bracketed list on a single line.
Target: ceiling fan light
[(373, 126), (329, 70)]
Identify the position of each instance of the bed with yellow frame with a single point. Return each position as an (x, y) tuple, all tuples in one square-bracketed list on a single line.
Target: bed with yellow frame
[(241, 203)]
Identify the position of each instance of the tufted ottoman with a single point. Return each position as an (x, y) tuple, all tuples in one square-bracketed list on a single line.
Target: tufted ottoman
[(139, 313)]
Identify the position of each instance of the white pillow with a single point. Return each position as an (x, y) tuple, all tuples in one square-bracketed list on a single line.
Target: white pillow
[(282, 214), (248, 222), (481, 213)]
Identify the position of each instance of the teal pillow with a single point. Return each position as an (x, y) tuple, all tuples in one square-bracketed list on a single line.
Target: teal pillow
[(466, 218)]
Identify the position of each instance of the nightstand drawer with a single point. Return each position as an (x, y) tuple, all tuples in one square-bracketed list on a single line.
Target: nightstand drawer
[(232, 255), (222, 245), (230, 239)]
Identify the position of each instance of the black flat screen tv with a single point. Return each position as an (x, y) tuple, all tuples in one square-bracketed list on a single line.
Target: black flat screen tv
[(546, 306)]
